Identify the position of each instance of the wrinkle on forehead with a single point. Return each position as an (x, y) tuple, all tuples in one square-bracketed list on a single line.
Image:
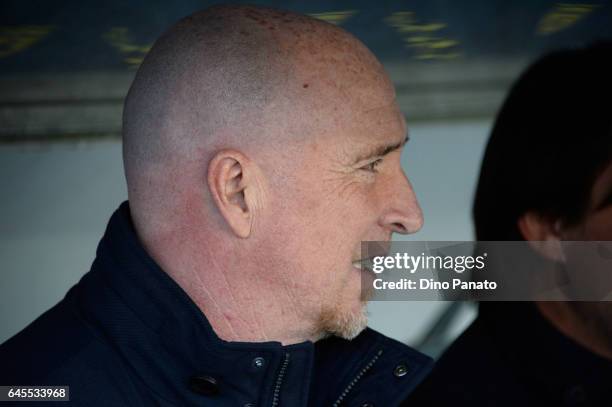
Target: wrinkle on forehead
[(383, 123), (384, 115)]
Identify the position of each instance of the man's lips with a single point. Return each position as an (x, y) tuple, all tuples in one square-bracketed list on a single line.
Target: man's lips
[(374, 249), (363, 264)]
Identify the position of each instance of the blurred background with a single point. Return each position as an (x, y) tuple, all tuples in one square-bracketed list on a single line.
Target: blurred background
[(65, 67)]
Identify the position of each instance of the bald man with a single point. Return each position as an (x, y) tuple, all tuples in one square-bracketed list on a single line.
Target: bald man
[(260, 148)]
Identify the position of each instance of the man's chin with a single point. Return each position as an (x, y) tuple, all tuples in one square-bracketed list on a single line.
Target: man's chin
[(345, 323)]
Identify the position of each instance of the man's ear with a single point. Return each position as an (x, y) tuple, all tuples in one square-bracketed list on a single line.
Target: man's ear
[(543, 235), (231, 184)]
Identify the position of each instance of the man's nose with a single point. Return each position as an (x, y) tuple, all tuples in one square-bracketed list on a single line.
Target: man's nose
[(402, 212)]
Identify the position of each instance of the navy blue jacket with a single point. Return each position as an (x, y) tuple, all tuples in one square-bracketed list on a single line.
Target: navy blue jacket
[(512, 356), (128, 335)]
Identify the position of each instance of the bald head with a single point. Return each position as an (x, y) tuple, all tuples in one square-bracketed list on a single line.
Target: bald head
[(205, 74), (258, 80), (234, 77)]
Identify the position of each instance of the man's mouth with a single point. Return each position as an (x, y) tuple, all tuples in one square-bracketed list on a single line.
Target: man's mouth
[(363, 264), (374, 249)]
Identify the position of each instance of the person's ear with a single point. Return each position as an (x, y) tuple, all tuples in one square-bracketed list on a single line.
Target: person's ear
[(233, 188), (543, 235)]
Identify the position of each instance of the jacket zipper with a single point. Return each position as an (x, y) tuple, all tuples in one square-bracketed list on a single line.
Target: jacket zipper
[(353, 382), (279, 381)]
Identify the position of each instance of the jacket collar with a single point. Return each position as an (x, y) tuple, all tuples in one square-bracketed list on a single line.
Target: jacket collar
[(166, 339)]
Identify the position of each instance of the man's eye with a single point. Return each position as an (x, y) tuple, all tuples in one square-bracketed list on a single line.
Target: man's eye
[(371, 167)]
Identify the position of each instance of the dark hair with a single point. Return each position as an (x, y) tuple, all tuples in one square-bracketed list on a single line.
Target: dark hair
[(551, 139)]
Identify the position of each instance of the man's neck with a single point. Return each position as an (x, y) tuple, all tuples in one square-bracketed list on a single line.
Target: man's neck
[(240, 305), (240, 312)]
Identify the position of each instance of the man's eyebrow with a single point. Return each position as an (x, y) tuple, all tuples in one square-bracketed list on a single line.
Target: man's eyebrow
[(381, 150)]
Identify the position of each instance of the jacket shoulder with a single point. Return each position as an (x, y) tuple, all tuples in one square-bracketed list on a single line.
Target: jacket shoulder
[(60, 348)]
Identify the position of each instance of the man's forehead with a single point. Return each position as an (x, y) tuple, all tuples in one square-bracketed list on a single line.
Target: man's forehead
[(371, 132), (357, 131), (388, 115), (381, 120)]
